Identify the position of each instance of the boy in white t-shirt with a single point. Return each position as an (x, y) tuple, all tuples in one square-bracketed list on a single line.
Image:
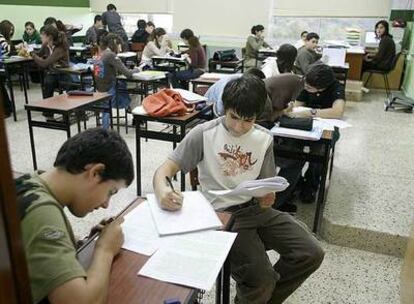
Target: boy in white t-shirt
[(227, 151)]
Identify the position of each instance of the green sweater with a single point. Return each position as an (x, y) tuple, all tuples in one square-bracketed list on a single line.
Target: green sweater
[(253, 45), (33, 39)]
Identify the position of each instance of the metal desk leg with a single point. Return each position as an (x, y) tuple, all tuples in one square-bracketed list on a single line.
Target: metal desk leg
[(10, 83), (66, 118), (174, 145), (32, 144), (78, 120), (117, 106), (110, 114), (219, 285), (138, 154), (182, 135), (320, 204), (226, 281), (25, 82)]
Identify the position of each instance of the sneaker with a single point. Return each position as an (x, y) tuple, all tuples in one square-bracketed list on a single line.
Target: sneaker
[(365, 90)]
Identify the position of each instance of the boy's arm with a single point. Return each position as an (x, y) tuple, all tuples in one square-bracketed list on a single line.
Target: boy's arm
[(268, 170), (335, 112), (94, 288), (168, 199)]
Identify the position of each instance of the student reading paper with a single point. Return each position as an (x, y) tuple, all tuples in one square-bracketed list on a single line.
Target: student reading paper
[(227, 151)]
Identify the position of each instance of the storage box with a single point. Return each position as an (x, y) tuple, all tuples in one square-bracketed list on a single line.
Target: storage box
[(353, 90)]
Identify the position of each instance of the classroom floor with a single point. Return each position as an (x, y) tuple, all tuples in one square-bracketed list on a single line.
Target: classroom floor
[(370, 203)]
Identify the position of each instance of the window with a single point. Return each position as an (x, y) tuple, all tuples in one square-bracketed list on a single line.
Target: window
[(160, 20), (287, 29)]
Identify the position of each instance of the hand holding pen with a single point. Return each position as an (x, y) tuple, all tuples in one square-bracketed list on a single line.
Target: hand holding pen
[(171, 200)]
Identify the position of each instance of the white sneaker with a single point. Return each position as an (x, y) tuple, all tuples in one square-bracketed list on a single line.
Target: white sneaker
[(365, 90)]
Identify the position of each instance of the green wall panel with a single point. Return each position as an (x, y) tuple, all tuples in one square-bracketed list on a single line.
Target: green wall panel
[(66, 3)]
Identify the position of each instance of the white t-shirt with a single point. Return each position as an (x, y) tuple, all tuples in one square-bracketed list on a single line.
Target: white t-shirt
[(223, 160)]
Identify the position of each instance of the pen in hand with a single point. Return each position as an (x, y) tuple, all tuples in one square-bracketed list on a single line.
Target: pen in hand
[(170, 183), (174, 200)]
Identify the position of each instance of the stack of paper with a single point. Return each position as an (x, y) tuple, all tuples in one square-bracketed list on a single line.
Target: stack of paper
[(196, 214), (256, 188), (190, 97), (149, 75), (314, 135), (353, 36)]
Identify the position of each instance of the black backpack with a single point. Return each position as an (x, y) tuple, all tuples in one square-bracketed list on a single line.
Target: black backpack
[(225, 55)]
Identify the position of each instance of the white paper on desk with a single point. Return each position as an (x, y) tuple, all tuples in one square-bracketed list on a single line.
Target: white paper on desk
[(315, 134), (334, 57), (139, 110), (140, 233), (192, 260), (256, 188), (214, 76), (149, 75), (329, 124), (127, 54), (196, 214), (190, 97), (300, 109)]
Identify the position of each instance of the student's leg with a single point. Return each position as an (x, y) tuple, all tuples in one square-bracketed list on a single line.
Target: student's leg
[(182, 77), (7, 106), (251, 269), (50, 83), (300, 253)]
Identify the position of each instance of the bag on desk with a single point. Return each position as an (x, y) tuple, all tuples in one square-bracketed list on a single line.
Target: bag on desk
[(225, 55), (166, 102), (303, 123)]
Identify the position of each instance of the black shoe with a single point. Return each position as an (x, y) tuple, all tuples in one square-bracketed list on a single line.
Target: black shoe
[(289, 208)]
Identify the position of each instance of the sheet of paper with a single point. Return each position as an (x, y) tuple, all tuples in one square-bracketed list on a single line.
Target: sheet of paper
[(300, 109), (192, 260), (149, 75), (127, 54), (329, 124), (334, 57), (196, 214), (140, 233), (190, 97), (256, 188), (214, 76)]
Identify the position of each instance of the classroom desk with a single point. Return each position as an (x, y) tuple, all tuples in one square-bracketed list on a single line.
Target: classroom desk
[(228, 67), (341, 72), (82, 52), (202, 82), (81, 73), (168, 63), (10, 65), (355, 57), (125, 286), (262, 54), (176, 121), (307, 155), (142, 88), (66, 106)]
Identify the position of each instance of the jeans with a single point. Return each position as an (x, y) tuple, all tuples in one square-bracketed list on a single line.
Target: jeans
[(180, 79), (122, 98)]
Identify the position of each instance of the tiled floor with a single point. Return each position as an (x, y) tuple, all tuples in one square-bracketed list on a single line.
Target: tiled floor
[(371, 189)]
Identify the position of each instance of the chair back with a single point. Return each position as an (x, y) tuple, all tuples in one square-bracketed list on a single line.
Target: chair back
[(137, 46)]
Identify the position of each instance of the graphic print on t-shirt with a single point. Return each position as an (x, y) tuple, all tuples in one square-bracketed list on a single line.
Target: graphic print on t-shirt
[(234, 161)]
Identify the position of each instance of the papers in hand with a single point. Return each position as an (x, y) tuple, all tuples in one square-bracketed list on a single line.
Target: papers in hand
[(190, 97), (196, 214), (334, 57), (192, 260), (256, 188), (149, 75)]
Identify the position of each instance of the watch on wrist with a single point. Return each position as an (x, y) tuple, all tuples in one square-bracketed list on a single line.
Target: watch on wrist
[(313, 112)]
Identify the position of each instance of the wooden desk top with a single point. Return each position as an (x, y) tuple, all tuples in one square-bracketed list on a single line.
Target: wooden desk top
[(125, 286), (173, 119), (66, 103), (14, 60)]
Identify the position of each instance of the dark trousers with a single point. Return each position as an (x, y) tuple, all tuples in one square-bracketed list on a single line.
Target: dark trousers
[(180, 79), (51, 82), (5, 99), (258, 281)]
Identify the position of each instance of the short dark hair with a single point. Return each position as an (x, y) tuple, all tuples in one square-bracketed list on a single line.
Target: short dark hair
[(286, 56), (110, 7), (111, 41), (257, 28), (150, 23), (320, 76), (255, 72), (312, 35), (97, 146), (303, 33), (97, 18), (246, 96), (386, 26), (49, 21), (186, 34), (141, 23), (30, 23), (100, 33)]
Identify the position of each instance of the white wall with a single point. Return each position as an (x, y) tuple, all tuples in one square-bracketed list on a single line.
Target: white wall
[(334, 8), (19, 14), (133, 6)]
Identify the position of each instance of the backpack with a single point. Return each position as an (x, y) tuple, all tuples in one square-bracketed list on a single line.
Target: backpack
[(166, 102)]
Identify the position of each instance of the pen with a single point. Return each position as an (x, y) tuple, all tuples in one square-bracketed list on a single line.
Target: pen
[(170, 183)]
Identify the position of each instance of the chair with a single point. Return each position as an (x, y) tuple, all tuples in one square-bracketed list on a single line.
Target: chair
[(138, 47), (384, 74)]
